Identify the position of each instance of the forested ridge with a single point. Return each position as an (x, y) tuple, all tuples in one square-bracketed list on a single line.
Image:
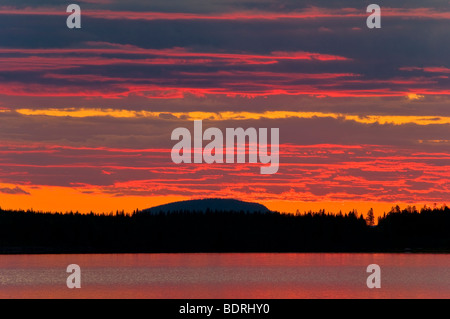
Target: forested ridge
[(399, 230)]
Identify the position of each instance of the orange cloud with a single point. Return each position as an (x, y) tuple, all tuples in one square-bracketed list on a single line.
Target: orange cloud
[(241, 116)]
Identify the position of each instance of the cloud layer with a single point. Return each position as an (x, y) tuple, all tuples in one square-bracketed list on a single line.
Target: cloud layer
[(363, 114)]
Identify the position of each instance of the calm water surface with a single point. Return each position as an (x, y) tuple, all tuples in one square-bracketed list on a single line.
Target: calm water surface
[(233, 276)]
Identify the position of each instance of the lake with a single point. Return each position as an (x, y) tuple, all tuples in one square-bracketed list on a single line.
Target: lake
[(228, 276)]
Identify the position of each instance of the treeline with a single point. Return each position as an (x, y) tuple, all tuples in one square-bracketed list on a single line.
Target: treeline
[(426, 230)]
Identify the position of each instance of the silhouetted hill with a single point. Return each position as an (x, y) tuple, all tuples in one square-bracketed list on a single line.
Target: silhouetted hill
[(211, 204), (24, 232)]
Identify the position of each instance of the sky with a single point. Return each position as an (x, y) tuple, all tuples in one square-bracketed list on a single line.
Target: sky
[(86, 115)]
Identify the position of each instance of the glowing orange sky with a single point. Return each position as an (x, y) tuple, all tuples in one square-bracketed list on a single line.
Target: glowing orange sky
[(86, 115), (66, 199)]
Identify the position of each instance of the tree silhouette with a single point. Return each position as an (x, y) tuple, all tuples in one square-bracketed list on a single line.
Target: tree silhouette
[(181, 231), (370, 219)]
